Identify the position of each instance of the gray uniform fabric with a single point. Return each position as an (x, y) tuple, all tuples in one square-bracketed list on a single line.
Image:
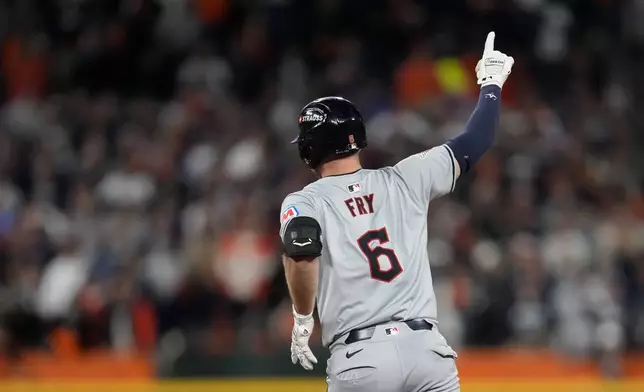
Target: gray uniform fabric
[(374, 266), (394, 359)]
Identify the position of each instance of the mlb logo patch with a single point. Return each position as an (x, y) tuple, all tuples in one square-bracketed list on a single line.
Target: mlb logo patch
[(391, 331), (288, 213), (353, 188)]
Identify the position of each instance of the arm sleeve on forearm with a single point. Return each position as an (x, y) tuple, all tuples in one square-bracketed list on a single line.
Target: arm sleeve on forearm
[(478, 137)]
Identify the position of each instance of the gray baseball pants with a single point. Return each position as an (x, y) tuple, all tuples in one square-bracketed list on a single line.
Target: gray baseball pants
[(394, 359)]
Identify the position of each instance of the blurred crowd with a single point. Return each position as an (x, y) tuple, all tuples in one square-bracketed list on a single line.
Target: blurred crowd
[(144, 157)]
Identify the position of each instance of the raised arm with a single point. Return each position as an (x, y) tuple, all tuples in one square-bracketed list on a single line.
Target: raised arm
[(431, 174), (491, 72)]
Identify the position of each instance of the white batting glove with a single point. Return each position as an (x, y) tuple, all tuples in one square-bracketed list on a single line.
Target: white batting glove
[(494, 67), (300, 351)]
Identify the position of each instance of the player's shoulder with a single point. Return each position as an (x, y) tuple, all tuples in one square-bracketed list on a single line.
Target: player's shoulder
[(304, 195), (424, 161), (296, 204), (385, 174), (319, 187), (441, 152)]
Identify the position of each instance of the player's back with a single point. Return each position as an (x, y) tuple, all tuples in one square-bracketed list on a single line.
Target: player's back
[(374, 265)]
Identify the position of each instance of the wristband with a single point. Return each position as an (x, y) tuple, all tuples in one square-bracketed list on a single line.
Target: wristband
[(301, 318)]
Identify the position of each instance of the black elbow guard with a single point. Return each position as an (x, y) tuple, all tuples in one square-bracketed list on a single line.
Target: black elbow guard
[(302, 238)]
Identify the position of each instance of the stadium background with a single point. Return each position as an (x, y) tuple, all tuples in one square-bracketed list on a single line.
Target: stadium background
[(144, 156)]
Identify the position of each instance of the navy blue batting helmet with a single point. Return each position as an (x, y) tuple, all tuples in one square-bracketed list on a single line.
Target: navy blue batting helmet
[(330, 128)]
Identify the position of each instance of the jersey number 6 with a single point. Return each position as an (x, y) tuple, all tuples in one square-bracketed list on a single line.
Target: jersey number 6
[(374, 253)]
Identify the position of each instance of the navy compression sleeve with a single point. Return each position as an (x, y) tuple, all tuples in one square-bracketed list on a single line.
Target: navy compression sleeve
[(478, 137)]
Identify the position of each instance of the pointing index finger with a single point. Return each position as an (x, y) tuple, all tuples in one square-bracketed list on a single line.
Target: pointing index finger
[(489, 42)]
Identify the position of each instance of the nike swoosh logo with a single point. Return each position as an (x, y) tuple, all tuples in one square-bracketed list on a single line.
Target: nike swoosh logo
[(349, 355)]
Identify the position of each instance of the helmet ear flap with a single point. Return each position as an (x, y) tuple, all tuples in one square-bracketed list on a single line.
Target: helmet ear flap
[(306, 151), (314, 146)]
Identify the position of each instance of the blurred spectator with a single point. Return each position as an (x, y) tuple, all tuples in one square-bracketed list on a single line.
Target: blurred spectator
[(144, 155), (61, 280)]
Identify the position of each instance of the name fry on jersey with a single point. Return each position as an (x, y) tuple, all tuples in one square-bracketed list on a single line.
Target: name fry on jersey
[(364, 205), (288, 214)]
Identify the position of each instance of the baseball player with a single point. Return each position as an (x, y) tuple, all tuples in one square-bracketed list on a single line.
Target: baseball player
[(355, 240)]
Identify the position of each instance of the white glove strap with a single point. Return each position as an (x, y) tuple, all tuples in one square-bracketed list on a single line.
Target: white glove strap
[(491, 82), (302, 318)]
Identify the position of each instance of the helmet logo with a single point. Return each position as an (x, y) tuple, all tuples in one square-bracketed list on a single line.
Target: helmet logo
[(312, 115)]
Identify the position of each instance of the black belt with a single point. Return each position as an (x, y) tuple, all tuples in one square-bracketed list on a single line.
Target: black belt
[(357, 335)]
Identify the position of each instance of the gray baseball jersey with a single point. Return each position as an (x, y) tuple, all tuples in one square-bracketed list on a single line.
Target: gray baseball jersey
[(374, 266)]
